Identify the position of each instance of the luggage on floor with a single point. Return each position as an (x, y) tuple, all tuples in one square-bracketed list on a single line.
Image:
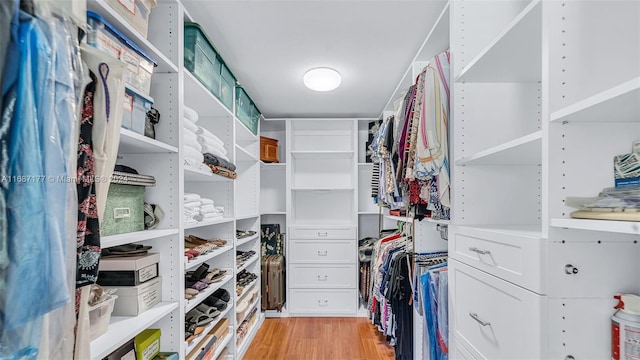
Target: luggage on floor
[(273, 284)]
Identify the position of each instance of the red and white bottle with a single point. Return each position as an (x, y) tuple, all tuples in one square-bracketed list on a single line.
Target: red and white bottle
[(625, 328)]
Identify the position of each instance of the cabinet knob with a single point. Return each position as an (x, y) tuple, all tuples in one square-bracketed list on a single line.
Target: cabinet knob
[(569, 357), (322, 278), (570, 269), (323, 234), (322, 253), (323, 302)]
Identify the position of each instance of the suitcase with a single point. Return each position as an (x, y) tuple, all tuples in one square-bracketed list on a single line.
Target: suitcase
[(273, 284)]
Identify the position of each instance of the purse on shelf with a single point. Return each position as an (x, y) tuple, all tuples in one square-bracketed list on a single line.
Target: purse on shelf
[(151, 120)]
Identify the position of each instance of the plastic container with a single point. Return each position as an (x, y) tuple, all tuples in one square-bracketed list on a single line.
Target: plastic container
[(99, 316), (135, 12), (135, 111), (202, 60), (246, 110), (105, 37)]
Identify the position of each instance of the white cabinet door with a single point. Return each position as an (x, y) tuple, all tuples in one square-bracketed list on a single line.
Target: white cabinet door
[(493, 318)]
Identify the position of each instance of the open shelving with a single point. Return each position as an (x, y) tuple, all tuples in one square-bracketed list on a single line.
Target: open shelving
[(246, 341), (526, 150), (622, 227), (248, 263), (202, 174), (126, 238), (133, 143), (244, 155), (200, 99), (190, 346), (195, 262), (207, 223), (243, 241), (198, 299), (514, 55)]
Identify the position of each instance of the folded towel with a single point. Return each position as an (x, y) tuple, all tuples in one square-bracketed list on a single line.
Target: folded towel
[(209, 135), (190, 114), (220, 208), (188, 197), (204, 209), (212, 216), (206, 201), (214, 151), (211, 159), (206, 141), (189, 125), (192, 156), (192, 207), (191, 139)]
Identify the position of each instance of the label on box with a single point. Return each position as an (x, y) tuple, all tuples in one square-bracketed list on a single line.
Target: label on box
[(151, 350), (150, 298), (148, 273), (130, 5), (128, 102)]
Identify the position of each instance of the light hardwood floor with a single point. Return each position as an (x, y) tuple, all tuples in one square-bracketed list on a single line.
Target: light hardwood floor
[(319, 339)]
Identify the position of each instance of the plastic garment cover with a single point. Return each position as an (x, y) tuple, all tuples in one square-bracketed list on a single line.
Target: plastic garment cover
[(430, 285)]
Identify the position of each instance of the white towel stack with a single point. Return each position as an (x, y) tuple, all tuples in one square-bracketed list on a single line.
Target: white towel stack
[(197, 208), (211, 143), (192, 149)]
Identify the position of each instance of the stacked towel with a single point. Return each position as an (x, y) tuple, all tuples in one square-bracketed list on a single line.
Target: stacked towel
[(190, 114), (190, 125), (197, 208), (211, 213)]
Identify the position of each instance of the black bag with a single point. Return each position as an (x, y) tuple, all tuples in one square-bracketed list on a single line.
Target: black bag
[(152, 118)]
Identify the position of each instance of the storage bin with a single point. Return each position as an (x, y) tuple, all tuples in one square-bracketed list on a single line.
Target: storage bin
[(246, 111), (99, 316), (268, 149), (147, 344), (134, 300), (124, 212), (128, 271), (135, 12), (135, 111), (202, 60), (105, 37)]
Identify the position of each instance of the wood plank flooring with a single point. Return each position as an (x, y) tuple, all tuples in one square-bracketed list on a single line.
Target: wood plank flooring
[(319, 339)]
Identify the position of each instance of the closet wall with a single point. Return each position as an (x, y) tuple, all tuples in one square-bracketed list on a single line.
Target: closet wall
[(526, 280)]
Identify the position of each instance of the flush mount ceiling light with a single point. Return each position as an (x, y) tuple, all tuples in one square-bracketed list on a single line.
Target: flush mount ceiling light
[(322, 79)]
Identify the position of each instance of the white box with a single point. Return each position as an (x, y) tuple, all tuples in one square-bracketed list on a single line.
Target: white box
[(134, 300)]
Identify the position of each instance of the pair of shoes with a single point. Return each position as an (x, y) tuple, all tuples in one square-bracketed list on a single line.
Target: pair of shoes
[(219, 299), (241, 234)]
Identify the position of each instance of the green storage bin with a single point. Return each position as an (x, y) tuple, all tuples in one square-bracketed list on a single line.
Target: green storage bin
[(124, 212), (204, 62), (246, 110)]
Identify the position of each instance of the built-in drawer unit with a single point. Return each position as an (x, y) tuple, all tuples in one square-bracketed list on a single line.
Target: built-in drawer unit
[(513, 256), (460, 353), (323, 301), (323, 251), (322, 276), (495, 319), (323, 233)]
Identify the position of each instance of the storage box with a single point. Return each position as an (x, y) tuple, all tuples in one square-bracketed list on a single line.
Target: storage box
[(246, 111), (124, 212), (147, 344), (104, 36), (134, 300), (99, 316), (626, 170), (220, 330), (124, 352), (135, 12), (202, 60), (268, 149), (205, 351), (135, 111), (128, 271)]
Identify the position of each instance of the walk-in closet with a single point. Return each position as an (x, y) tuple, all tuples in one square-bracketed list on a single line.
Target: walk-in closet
[(319, 180)]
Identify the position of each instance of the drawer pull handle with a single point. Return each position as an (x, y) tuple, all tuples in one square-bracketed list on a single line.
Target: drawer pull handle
[(569, 357), (322, 253), (324, 234), (479, 251), (570, 269), (475, 317), (322, 278), (323, 302)]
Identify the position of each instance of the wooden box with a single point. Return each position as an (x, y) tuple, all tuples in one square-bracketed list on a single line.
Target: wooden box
[(268, 149)]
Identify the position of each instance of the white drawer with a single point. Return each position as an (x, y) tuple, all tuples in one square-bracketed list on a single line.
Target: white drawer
[(511, 256), (340, 233), (322, 276), (319, 251), (460, 353), (494, 319), (323, 302)]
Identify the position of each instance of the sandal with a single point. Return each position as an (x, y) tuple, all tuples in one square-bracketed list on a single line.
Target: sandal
[(215, 302), (210, 311), (222, 294), (198, 318)]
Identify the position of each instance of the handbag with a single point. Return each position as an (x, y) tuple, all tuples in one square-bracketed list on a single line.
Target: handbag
[(152, 118)]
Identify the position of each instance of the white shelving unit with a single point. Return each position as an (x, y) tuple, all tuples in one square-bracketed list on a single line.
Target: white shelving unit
[(532, 70)]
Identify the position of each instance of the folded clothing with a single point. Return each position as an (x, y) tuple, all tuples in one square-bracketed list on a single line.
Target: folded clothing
[(189, 125), (214, 151), (211, 159), (191, 139), (190, 114), (192, 156), (188, 197), (209, 136), (206, 201), (192, 205), (219, 170), (132, 179), (211, 144)]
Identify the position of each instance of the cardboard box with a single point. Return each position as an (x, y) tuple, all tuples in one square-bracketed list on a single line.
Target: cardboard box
[(128, 271), (134, 300), (147, 344)]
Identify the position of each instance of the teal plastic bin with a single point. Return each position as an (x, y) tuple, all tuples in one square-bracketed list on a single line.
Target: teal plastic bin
[(246, 110)]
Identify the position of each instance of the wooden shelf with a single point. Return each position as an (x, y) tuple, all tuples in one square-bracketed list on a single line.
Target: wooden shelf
[(244, 155), (134, 143), (243, 241), (200, 99), (248, 263), (620, 103), (526, 150), (190, 346), (123, 328), (198, 299), (322, 154), (622, 227), (126, 238), (195, 262), (196, 174), (101, 7), (515, 55), (207, 223)]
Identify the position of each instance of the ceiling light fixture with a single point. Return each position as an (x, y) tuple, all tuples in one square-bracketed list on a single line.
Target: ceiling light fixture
[(322, 79)]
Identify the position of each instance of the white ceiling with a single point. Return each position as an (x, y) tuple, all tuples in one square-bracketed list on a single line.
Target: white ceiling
[(270, 44)]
